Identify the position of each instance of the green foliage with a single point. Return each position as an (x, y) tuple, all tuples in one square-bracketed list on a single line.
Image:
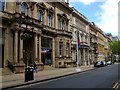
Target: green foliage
[(26, 36), (115, 47)]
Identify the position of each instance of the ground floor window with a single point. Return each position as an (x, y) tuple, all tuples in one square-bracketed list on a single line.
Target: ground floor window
[(46, 58), (46, 50), (61, 49)]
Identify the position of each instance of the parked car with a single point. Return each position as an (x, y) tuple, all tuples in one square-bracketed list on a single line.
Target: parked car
[(97, 64), (104, 63), (109, 62), (100, 64)]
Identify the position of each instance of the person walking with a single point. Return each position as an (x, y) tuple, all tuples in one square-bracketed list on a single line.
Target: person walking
[(34, 67)]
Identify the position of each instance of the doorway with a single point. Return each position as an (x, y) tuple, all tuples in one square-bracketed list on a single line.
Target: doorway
[(2, 48)]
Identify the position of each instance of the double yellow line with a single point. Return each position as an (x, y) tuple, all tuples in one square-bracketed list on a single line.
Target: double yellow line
[(116, 86)]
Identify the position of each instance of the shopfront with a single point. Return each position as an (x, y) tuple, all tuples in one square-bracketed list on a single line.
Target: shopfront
[(46, 50)]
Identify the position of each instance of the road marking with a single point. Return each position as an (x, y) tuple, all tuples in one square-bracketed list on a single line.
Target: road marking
[(116, 86)]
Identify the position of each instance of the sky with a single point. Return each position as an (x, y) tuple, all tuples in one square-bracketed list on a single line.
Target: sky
[(104, 13)]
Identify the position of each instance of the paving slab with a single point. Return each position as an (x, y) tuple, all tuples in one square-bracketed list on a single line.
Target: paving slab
[(9, 81)]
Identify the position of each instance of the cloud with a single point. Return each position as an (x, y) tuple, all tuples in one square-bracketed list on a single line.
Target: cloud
[(108, 18), (86, 2)]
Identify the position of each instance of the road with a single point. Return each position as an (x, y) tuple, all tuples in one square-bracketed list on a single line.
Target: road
[(105, 77)]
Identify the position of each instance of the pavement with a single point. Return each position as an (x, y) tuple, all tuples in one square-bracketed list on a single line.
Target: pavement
[(15, 80)]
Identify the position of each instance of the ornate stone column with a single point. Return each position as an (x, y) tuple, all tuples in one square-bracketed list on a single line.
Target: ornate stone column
[(53, 52), (39, 49), (79, 57), (84, 57), (88, 61), (21, 49), (16, 48), (35, 39), (6, 52), (45, 18)]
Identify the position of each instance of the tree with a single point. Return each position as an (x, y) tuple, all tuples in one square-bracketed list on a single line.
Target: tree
[(115, 47)]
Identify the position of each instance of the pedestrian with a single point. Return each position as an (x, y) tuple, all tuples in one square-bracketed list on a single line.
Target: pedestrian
[(34, 67)]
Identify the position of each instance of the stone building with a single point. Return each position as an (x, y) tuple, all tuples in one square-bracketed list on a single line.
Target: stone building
[(101, 45), (34, 31), (80, 24), (45, 33), (93, 43)]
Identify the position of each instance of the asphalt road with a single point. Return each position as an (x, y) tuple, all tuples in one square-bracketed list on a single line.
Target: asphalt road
[(104, 77)]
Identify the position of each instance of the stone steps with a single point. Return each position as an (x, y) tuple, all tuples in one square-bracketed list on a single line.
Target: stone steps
[(5, 71), (47, 67)]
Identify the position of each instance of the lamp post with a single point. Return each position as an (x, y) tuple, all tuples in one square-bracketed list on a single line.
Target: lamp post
[(26, 37), (78, 68)]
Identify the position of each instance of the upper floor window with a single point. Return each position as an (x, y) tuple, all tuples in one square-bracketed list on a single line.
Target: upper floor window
[(40, 15), (2, 5), (49, 20), (24, 8), (59, 23)]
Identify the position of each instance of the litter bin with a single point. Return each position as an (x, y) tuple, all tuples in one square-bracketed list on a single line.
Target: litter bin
[(29, 75)]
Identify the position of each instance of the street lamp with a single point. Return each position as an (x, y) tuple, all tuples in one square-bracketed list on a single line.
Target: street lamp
[(26, 36)]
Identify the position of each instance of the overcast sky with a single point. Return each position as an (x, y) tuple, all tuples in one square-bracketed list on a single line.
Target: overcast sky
[(103, 12)]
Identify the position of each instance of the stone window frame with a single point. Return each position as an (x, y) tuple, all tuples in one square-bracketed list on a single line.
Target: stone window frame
[(40, 15), (59, 23), (41, 7), (67, 49), (26, 11), (63, 20), (60, 49), (50, 14)]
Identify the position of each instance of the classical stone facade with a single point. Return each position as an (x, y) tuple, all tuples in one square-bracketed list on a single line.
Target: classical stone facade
[(80, 24), (45, 33)]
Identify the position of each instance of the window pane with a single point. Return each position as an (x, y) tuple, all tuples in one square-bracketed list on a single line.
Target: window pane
[(49, 20), (2, 5), (40, 15), (24, 7)]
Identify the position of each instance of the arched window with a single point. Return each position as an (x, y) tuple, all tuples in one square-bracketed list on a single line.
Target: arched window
[(59, 23), (40, 15), (24, 8), (2, 5)]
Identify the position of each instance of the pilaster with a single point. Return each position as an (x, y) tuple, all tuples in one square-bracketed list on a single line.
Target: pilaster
[(6, 52), (21, 49), (16, 47), (53, 52), (40, 49), (84, 57), (36, 55)]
